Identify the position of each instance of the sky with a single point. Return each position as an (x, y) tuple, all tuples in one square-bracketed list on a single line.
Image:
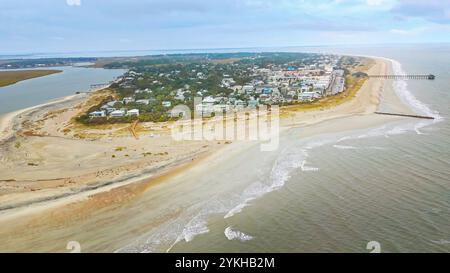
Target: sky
[(35, 26)]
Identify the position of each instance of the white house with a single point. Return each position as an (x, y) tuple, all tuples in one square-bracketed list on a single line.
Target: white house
[(143, 102), (239, 104), (146, 90), (308, 96), (97, 114), (205, 109), (127, 100), (118, 113), (227, 82), (248, 89), (166, 104), (180, 95), (176, 113), (133, 113), (236, 88)]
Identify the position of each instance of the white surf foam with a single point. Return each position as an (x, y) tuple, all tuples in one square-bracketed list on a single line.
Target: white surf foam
[(195, 227), (344, 147), (252, 192), (402, 91), (236, 235), (305, 168)]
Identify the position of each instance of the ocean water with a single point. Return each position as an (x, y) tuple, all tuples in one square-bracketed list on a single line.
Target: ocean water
[(40, 90), (328, 193)]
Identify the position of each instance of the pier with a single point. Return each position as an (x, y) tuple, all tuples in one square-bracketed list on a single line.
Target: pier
[(404, 115), (404, 77)]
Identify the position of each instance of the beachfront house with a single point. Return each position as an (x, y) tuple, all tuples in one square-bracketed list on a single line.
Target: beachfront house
[(176, 113), (308, 96), (97, 114), (118, 113), (239, 105), (133, 113), (320, 90)]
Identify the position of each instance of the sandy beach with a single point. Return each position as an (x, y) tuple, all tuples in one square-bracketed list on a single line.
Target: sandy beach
[(59, 176)]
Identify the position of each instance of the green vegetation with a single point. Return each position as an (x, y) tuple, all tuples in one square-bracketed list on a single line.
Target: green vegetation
[(12, 77)]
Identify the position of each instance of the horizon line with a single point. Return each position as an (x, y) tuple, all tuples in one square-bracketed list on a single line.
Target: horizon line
[(212, 48)]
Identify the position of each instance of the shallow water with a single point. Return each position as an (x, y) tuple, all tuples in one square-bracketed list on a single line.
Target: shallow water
[(40, 90)]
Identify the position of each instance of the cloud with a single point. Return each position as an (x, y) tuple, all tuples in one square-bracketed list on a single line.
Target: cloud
[(145, 24), (73, 2), (412, 31), (437, 11), (375, 2)]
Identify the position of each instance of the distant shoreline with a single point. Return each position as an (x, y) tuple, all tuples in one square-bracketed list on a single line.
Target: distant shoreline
[(12, 77)]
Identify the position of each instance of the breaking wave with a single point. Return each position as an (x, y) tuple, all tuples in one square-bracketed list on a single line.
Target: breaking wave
[(236, 235), (402, 91), (344, 147)]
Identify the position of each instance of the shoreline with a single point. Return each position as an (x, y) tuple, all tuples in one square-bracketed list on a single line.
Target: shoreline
[(358, 112), (7, 120)]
